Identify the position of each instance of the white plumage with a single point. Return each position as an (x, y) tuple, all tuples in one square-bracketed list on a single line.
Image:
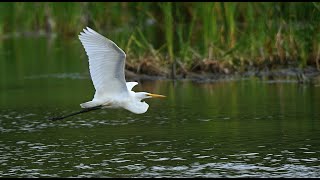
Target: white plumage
[(106, 65)]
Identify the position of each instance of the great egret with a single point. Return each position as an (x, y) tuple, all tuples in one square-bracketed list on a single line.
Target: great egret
[(106, 65)]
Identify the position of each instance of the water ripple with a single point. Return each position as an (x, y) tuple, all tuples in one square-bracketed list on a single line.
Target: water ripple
[(85, 148)]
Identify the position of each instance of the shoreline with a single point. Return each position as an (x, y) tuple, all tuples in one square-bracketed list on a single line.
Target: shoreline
[(306, 75)]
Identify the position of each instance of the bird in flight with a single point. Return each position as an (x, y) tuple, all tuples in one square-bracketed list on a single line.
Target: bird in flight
[(106, 65)]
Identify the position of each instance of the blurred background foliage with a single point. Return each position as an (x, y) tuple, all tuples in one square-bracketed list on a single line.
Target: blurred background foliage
[(189, 35)]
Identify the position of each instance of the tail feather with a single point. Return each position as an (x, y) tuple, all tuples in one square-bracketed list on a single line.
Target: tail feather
[(90, 104)]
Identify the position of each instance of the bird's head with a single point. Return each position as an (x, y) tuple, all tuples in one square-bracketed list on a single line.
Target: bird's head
[(145, 95)]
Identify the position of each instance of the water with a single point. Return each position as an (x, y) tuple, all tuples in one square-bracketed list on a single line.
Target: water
[(243, 128)]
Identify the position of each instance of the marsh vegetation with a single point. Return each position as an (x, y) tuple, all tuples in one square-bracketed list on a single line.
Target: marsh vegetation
[(179, 38)]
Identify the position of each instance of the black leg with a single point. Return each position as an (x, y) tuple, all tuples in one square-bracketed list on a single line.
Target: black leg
[(75, 113)]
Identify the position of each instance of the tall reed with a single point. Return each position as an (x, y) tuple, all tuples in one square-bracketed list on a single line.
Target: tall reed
[(168, 27)]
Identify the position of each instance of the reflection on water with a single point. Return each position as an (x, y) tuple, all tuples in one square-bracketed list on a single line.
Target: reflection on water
[(245, 128)]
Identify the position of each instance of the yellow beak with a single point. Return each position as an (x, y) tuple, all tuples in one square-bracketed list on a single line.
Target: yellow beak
[(156, 95)]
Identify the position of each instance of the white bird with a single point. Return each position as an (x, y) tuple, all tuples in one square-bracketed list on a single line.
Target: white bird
[(106, 65)]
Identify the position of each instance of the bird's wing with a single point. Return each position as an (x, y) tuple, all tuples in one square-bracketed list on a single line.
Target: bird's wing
[(106, 64)]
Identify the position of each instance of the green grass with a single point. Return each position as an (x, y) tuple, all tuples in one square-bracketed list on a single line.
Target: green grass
[(238, 34)]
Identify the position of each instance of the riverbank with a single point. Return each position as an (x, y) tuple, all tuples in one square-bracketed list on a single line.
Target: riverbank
[(308, 74)]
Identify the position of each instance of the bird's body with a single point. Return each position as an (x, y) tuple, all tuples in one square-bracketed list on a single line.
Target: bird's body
[(106, 65), (127, 99)]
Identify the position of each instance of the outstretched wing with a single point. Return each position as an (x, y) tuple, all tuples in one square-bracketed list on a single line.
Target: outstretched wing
[(106, 64)]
